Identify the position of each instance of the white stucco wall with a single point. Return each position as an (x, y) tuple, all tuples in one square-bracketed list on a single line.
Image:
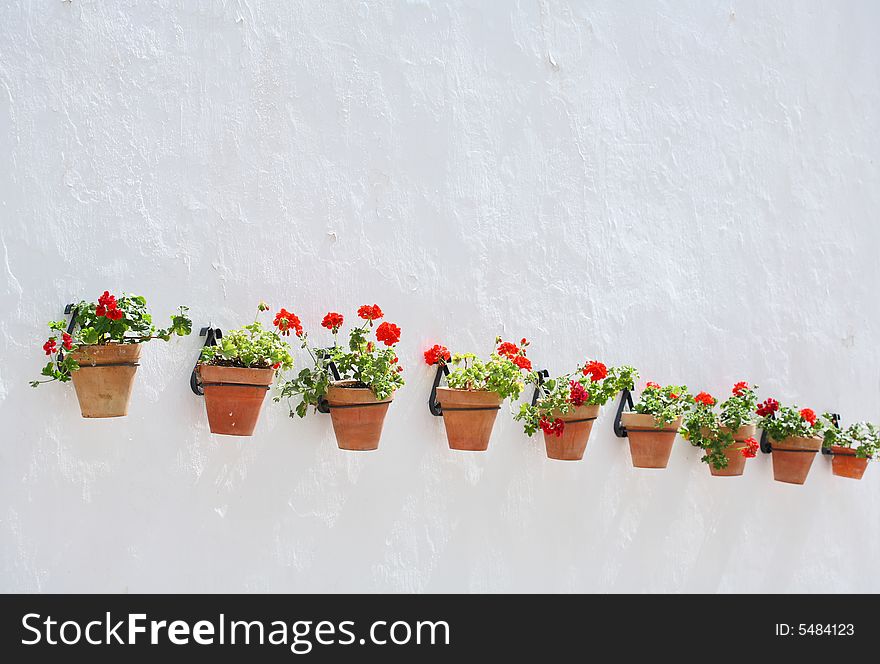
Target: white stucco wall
[(690, 187)]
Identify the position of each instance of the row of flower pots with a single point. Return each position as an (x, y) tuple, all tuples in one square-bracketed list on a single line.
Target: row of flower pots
[(100, 347)]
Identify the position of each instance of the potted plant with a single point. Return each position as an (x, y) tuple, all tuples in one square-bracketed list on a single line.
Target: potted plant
[(851, 448), (569, 404), (236, 373), (654, 423), (796, 437), (368, 371), (476, 390), (727, 438), (100, 353)]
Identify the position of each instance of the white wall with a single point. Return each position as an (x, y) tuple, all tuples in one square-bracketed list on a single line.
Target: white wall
[(690, 187)]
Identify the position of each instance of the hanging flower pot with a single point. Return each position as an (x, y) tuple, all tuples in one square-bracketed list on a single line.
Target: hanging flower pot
[(234, 397), (652, 427), (104, 378), (100, 348), (355, 383), (477, 389), (236, 374), (567, 407), (469, 416), (851, 448), (793, 457), (795, 439), (727, 437), (357, 415), (650, 440), (576, 428)]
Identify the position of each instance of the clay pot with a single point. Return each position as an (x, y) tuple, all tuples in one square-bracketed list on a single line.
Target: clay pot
[(571, 444), (469, 416), (793, 457), (357, 415), (736, 462), (649, 445), (234, 397), (104, 380), (845, 463)]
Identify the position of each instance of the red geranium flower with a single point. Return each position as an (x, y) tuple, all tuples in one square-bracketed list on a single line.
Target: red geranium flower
[(66, 341), (286, 321), (809, 415), (578, 395), (704, 398), (114, 314), (767, 408), (508, 350), (739, 388), (437, 354), (523, 362), (750, 451), (554, 428), (652, 386), (673, 395), (388, 333), (50, 346), (595, 370), (332, 321), (370, 313)]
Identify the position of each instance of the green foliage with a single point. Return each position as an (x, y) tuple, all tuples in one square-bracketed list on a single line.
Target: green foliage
[(713, 431), (499, 374), (789, 422), (364, 361), (122, 319), (570, 391), (863, 436), (665, 404), (251, 347)]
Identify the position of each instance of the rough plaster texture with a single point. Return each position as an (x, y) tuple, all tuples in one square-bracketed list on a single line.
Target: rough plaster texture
[(690, 187)]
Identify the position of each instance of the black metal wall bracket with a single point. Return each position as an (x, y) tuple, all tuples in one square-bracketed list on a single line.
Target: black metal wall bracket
[(625, 404), (433, 404), (542, 375), (324, 405), (211, 335)]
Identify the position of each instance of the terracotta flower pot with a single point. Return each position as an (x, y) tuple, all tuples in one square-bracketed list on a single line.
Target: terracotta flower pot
[(234, 397), (357, 416), (736, 462), (845, 463), (104, 380), (649, 445), (570, 446), (793, 457), (469, 416)]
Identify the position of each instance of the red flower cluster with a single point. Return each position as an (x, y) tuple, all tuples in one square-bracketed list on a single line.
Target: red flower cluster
[(595, 370), (286, 321), (107, 307), (388, 334), (704, 398), (516, 354), (333, 321), (508, 350), (437, 354), (750, 451), (370, 313), (578, 395), (652, 386), (809, 415), (767, 408), (66, 341), (554, 428), (50, 347), (740, 388)]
